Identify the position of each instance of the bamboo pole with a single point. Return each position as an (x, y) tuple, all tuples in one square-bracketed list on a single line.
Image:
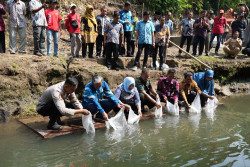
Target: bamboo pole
[(191, 55)]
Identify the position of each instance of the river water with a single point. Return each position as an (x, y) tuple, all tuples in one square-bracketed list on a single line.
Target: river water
[(221, 139)]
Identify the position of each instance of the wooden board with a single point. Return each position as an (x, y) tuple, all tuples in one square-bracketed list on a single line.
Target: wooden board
[(39, 125)]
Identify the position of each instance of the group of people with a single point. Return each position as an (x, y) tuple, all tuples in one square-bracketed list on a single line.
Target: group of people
[(205, 29), (99, 100)]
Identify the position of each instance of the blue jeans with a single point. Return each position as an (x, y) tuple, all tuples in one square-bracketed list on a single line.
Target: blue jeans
[(55, 35), (219, 36), (107, 105), (201, 41)]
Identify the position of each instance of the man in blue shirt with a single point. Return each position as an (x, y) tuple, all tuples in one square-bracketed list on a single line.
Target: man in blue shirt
[(144, 39), (169, 22), (93, 97), (126, 20), (112, 33)]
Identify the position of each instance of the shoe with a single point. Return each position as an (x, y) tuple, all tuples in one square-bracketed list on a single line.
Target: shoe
[(54, 126), (109, 67), (60, 122), (38, 54), (200, 55), (134, 68), (207, 54), (122, 55), (22, 52), (160, 68), (12, 52), (153, 68), (117, 68), (216, 53), (77, 56), (193, 55), (97, 57)]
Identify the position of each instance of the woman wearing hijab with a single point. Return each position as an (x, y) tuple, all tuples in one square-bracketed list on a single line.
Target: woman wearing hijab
[(206, 84), (128, 95), (89, 33)]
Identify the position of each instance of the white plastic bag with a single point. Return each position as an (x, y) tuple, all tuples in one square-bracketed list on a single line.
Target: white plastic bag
[(165, 67), (158, 111), (211, 105), (196, 105), (88, 124), (172, 109), (132, 117), (118, 121)]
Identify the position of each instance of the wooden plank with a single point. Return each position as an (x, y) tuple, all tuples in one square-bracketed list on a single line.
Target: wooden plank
[(39, 125)]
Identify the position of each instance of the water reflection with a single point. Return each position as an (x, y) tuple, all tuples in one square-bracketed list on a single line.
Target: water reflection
[(194, 120)]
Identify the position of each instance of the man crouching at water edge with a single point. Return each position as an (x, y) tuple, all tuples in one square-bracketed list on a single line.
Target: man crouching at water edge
[(52, 103), (147, 93), (93, 98)]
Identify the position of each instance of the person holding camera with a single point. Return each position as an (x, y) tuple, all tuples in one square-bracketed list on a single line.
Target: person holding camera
[(161, 42), (187, 31), (200, 30), (243, 10), (72, 24), (39, 24)]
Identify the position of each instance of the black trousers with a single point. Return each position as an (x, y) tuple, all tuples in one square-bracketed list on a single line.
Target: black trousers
[(145, 101), (132, 44), (161, 54), (183, 39), (84, 49), (112, 48), (246, 51), (50, 110), (2, 42), (192, 95), (146, 48), (127, 37), (132, 105), (99, 45)]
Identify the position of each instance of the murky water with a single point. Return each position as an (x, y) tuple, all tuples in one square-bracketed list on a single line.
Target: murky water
[(221, 139)]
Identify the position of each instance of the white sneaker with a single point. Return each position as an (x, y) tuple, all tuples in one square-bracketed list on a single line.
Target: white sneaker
[(134, 68)]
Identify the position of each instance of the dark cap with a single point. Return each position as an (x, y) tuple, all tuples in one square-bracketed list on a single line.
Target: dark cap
[(188, 74), (127, 3), (145, 13), (53, 1), (211, 12), (157, 13)]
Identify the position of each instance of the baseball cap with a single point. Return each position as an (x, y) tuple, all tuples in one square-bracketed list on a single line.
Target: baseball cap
[(53, 1), (221, 11), (72, 5)]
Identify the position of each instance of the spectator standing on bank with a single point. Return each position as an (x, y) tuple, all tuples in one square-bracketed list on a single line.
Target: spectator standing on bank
[(187, 31), (72, 24), (239, 25), (210, 27), (17, 24), (101, 20)]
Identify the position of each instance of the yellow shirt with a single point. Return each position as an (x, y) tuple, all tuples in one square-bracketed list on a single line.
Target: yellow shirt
[(185, 89)]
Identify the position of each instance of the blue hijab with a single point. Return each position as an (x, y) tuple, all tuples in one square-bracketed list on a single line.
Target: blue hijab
[(205, 85), (127, 82)]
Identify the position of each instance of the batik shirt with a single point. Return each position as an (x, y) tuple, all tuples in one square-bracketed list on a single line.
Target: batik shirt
[(113, 32), (126, 16), (187, 26), (38, 19), (168, 89), (17, 11), (145, 30), (161, 34)]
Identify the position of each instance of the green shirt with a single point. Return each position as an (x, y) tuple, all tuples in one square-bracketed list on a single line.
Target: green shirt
[(142, 85)]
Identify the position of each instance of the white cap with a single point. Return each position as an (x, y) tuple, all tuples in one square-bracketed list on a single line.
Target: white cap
[(72, 5)]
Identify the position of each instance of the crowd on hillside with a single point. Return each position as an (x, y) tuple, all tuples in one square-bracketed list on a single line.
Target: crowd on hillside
[(110, 34)]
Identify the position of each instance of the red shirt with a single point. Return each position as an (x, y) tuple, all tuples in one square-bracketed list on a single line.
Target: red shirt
[(53, 17), (219, 25), (68, 21)]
